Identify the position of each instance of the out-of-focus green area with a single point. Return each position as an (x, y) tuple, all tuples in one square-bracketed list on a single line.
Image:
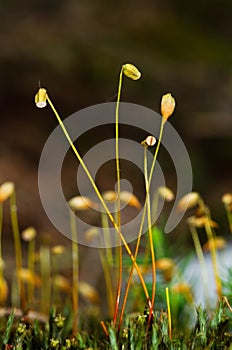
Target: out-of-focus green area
[(76, 48)]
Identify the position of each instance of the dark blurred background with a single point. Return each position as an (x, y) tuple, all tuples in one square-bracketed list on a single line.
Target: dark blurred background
[(76, 48)]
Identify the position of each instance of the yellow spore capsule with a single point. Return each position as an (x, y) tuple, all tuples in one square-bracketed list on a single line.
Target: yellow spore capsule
[(41, 98), (167, 106), (131, 71)]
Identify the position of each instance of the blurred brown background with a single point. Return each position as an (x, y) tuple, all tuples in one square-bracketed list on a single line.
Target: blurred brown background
[(76, 48)]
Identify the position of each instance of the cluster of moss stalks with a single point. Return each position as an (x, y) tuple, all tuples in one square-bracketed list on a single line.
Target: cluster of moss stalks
[(210, 332), (23, 327)]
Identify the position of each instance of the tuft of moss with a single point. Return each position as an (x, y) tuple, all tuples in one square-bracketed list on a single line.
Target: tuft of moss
[(211, 331)]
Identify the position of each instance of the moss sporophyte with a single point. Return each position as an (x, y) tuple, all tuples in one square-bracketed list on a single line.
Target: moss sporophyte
[(167, 108), (40, 287)]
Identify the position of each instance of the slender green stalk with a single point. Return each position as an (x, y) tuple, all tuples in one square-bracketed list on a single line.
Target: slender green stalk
[(119, 287), (141, 224), (213, 252), (155, 201), (132, 268), (201, 259), (154, 207), (156, 152), (169, 314), (102, 201), (17, 244), (45, 271), (106, 257), (55, 289), (75, 271), (31, 256), (212, 246), (117, 147), (107, 242), (150, 231), (107, 275)]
